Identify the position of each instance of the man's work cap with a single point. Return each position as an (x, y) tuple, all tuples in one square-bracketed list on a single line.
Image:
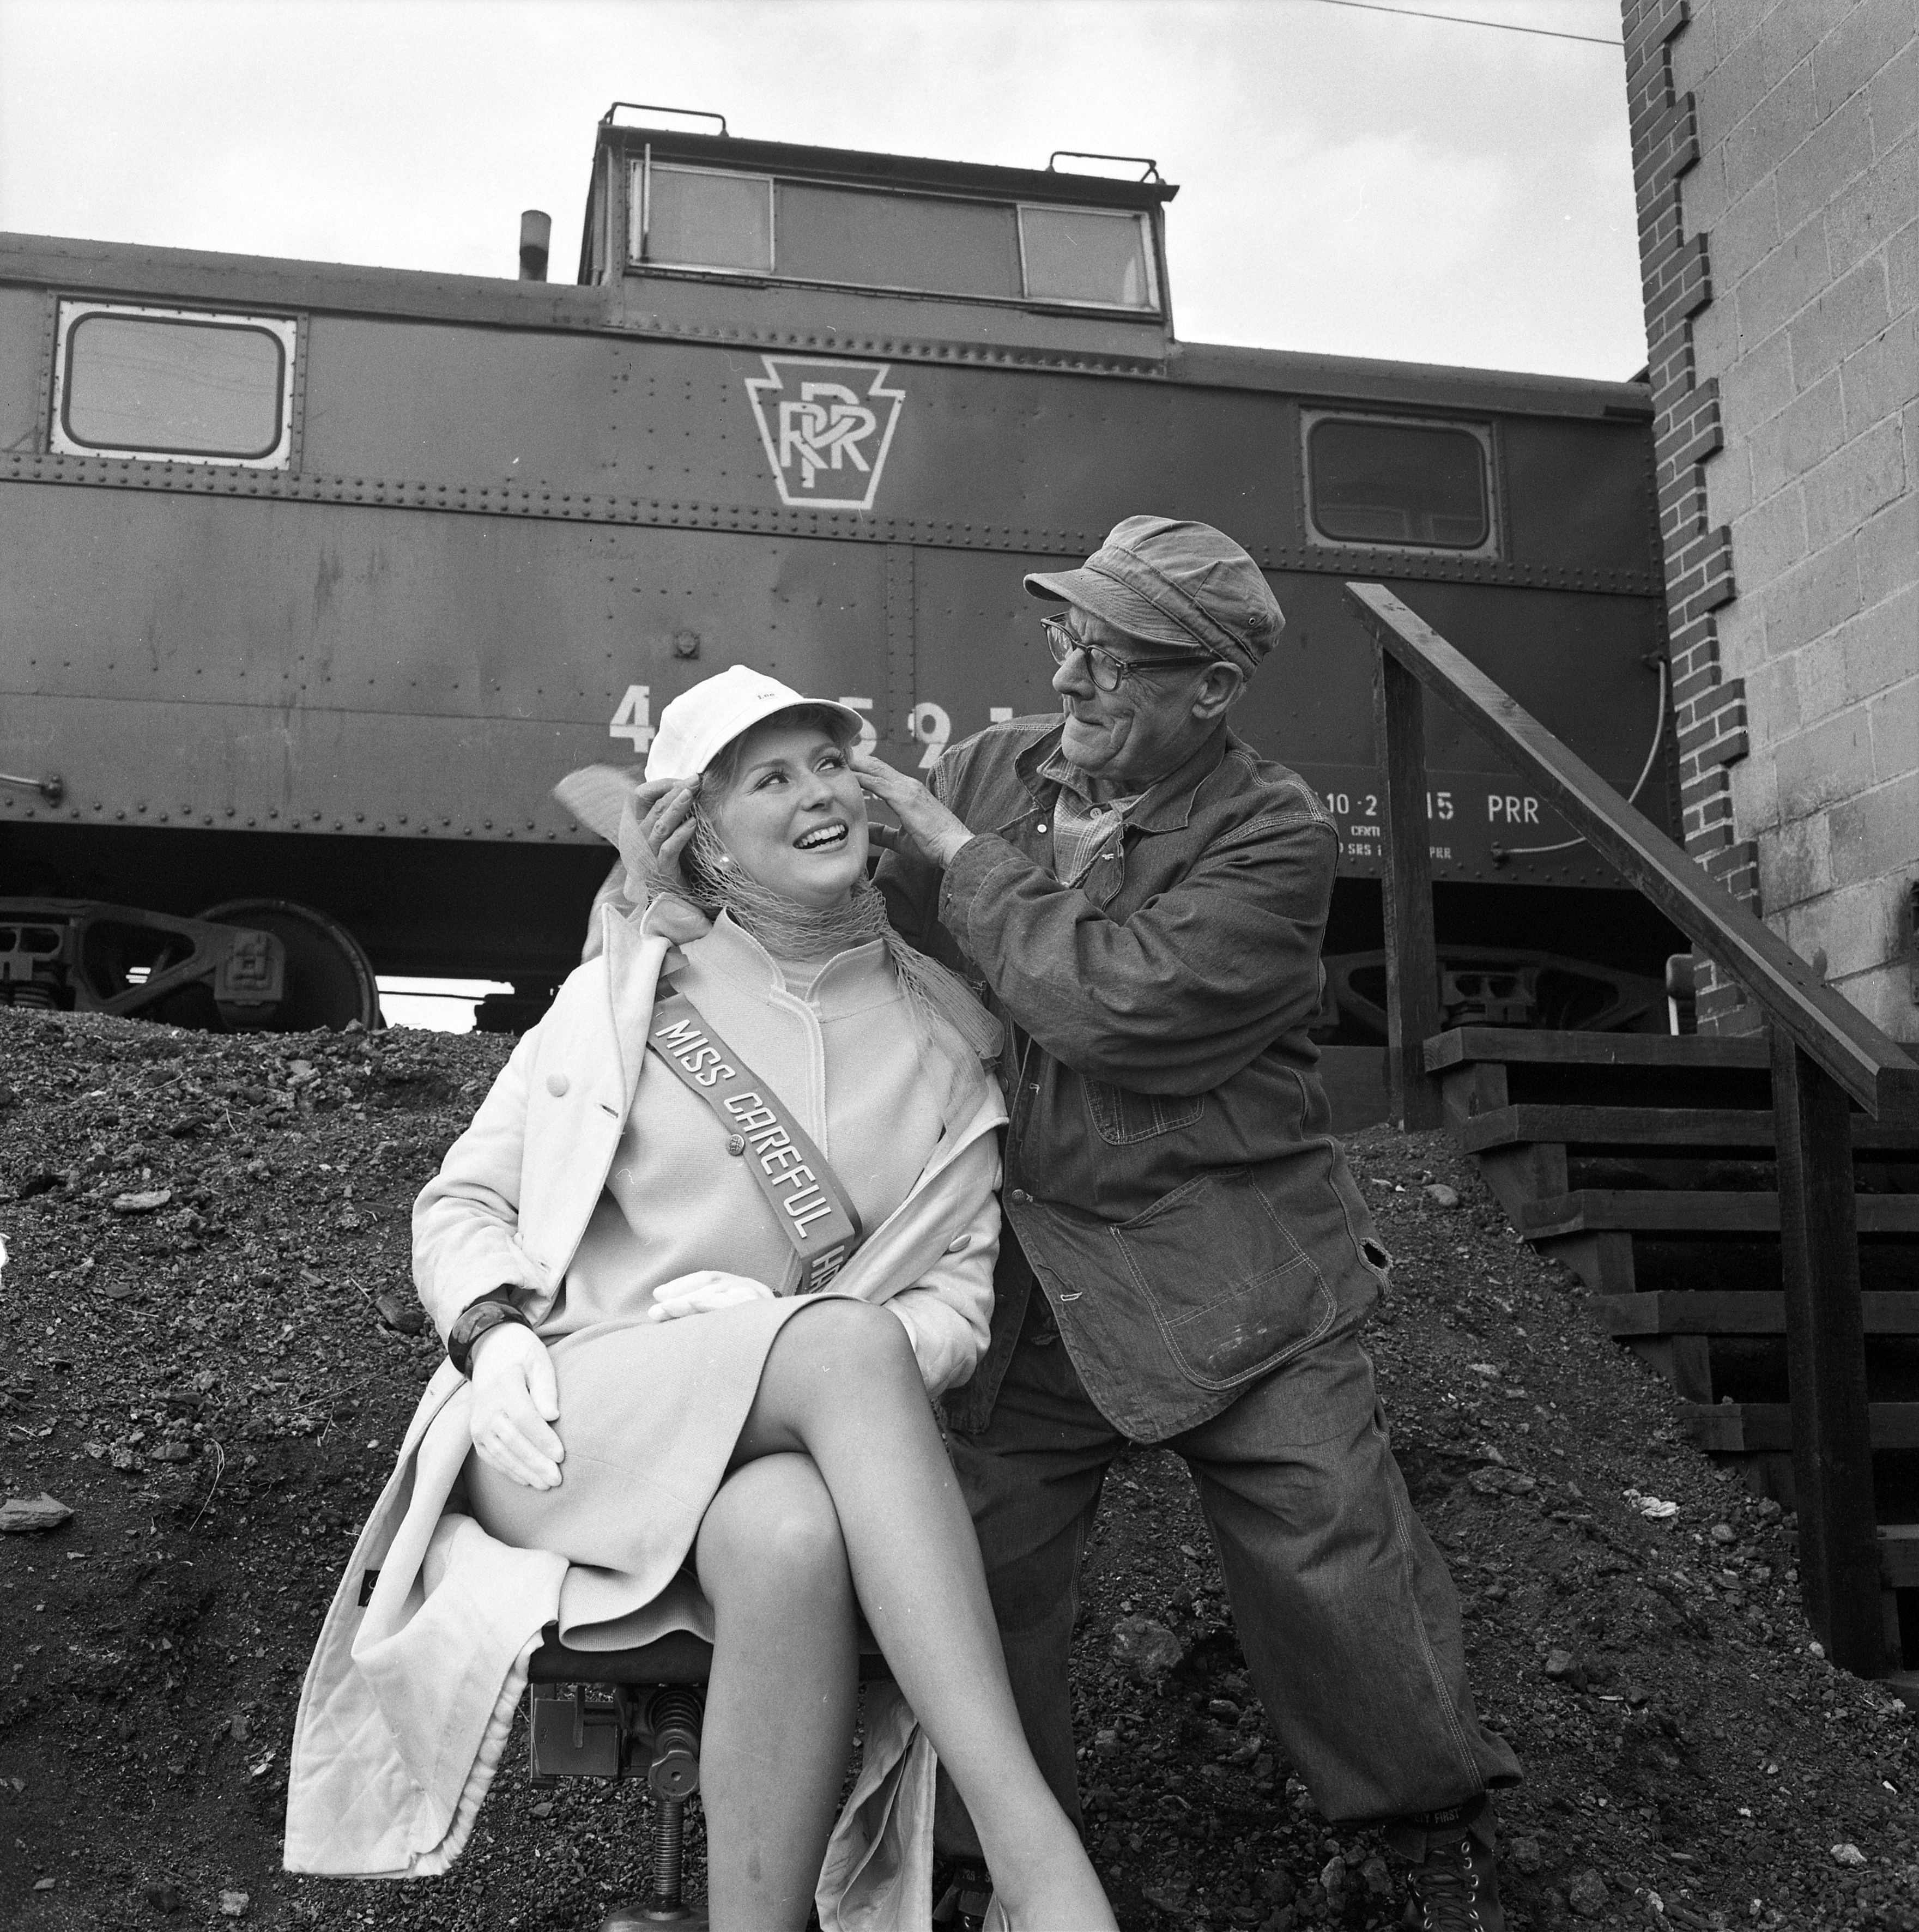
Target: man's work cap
[(1186, 585), (701, 722)]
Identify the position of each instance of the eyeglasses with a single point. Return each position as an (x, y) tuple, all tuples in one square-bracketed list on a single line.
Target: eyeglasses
[(1107, 669)]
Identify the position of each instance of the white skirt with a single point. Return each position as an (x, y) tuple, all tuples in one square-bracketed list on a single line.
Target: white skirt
[(650, 1413)]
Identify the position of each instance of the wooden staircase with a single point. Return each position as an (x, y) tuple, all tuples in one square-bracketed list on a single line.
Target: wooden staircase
[(1684, 1191), (1646, 1164)]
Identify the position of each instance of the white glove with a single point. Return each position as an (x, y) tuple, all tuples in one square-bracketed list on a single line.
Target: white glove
[(515, 1397), (702, 1291)]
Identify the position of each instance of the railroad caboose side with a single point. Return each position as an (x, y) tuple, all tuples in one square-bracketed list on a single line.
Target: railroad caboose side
[(313, 579)]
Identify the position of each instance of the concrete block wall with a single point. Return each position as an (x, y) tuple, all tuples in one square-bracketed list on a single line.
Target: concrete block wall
[(1776, 146)]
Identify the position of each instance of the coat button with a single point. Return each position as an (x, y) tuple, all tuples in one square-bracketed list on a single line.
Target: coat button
[(961, 1241), (1021, 1196), (736, 1143), (557, 1084)]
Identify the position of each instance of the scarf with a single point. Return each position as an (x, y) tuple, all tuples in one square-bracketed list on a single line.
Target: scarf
[(956, 1035)]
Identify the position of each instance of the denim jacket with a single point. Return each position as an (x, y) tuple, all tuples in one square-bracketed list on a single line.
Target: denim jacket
[(1170, 1170)]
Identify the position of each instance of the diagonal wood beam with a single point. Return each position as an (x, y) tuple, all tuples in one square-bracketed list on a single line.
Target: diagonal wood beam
[(1871, 1066)]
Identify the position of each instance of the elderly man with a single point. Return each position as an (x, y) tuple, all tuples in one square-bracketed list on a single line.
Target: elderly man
[(1186, 1260)]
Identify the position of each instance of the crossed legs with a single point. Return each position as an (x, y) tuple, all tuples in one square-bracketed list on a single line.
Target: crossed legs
[(841, 1431), (780, 1702)]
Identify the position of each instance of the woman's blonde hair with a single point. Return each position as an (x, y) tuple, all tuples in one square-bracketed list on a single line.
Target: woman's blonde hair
[(953, 1028), (722, 772)]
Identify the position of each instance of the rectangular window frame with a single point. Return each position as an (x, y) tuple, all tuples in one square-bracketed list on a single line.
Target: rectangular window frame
[(71, 311), (640, 209), (1492, 546), (1152, 306), (638, 224)]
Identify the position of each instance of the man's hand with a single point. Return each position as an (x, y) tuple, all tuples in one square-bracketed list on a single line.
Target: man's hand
[(515, 1397), (702, 1291), (928, 830), (663, 811)]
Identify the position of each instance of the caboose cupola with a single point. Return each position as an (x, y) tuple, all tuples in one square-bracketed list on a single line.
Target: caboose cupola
[(757, 233)]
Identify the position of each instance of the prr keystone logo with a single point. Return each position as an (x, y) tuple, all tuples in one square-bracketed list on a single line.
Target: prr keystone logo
[(826, 427)]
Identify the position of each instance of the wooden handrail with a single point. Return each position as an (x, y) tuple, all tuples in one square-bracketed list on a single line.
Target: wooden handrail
[(1873, 1068), (1822, 1049)]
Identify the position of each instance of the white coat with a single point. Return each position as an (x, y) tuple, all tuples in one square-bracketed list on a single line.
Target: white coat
[(409, 1696)]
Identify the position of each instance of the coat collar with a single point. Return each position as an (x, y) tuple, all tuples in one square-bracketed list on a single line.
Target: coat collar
[(633, 964), (1166, 805), (847, 983)]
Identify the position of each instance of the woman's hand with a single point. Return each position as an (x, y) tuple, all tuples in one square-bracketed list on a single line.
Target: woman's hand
[(928, 830), (664, 809), (515, 1397), (663, 816), (702, 1291)]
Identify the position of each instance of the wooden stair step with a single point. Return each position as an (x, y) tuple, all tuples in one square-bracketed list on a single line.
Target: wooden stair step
[(1648, 1210), (1737, 1427), (1648, 1129), (1709, 1311), (1465, 1044)]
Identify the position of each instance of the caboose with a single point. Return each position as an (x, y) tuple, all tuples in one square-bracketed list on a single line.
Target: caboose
[(313, 579)]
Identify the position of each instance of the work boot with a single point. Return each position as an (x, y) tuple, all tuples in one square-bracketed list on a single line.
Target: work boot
[(962, 1890), (1455, 1888)]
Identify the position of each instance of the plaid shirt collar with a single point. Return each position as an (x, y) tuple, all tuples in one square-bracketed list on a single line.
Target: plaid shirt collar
[(1083, 829)]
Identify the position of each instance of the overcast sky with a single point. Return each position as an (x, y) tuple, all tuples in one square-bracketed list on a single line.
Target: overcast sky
[(1353, 182)]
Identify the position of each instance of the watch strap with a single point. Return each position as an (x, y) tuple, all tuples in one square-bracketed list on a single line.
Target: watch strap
[(490, 1311)]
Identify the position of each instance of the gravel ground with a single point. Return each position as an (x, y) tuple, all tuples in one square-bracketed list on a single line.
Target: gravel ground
[(208, 1360)]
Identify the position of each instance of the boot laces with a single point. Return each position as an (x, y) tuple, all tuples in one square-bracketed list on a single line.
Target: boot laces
[(1447, 1887)]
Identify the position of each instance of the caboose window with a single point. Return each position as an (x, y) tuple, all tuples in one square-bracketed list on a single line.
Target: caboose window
[(1086, 255), (932, 246), (1418, 485), (684, 217), (177, 384), (699, 218)]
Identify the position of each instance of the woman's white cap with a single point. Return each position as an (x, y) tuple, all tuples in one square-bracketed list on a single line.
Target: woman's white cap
[(701, 722)]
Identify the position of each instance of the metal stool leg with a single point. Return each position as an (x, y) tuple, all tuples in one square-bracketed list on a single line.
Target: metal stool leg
[(664, 1905), (672, 1720), (669, 1842)]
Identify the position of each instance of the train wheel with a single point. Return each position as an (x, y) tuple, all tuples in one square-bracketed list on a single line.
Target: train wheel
[(329, 979)]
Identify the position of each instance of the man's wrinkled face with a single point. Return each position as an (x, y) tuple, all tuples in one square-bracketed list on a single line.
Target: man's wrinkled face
[(1128, 737)]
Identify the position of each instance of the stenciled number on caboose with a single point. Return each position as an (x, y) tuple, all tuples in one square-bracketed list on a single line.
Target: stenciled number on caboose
[(930, 724), (825, 426), (634, 720), (869, 737)]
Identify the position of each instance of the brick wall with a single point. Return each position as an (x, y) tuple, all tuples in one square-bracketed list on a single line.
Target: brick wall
[(1776, 165)]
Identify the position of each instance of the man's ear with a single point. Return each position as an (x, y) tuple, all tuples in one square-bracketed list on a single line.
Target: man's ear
[(1219, 690)]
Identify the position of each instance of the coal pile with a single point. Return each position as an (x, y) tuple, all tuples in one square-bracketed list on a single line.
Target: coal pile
[(212, 1347)]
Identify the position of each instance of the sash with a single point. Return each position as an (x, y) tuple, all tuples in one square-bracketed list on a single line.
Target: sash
[(805, 1193)]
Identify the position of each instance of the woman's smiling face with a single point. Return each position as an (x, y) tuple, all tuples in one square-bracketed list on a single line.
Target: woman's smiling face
[(794, 818)]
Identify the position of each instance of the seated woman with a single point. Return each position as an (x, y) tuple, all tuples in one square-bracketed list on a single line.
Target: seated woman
[(657, 1441)]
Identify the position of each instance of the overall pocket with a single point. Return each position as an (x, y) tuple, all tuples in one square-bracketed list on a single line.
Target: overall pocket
[(1234, 1294), (1121, 1117)]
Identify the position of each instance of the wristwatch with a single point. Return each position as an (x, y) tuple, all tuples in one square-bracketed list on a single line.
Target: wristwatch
[(473, 1320)]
